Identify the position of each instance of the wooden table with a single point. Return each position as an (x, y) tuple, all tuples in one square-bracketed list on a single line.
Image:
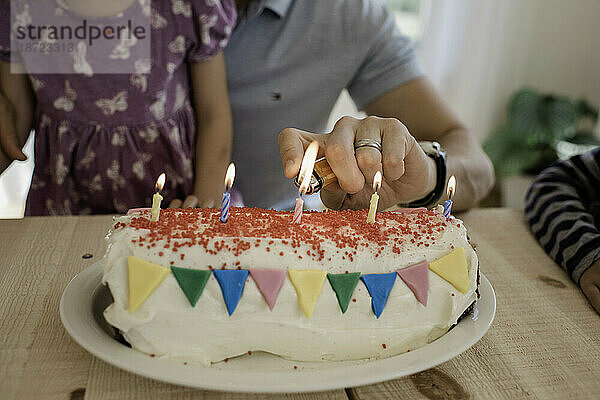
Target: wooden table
[(544, 342)]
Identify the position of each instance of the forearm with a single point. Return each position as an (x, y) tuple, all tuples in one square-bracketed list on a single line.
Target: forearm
[(558, 214), (213, 154), (16, 109), (214, 129), (468, 163), (428, 118), (16, 88)]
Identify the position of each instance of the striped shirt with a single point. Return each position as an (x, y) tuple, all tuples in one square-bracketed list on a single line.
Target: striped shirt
[(562, 207)]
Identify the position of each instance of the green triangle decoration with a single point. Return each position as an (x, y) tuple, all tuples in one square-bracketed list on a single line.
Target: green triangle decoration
[(343, 285), (191, 281)]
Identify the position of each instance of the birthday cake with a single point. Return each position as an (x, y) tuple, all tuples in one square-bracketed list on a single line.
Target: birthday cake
[(332, 287)]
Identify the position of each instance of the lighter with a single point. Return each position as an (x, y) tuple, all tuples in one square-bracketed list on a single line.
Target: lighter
[(322, 176)]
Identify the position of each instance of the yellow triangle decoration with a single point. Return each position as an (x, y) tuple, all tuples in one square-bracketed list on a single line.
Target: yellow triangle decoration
[(144, 278), (453, 268), (308, 284)]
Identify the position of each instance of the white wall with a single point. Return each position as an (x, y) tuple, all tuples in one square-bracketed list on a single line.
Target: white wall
[(479, 52), (564, 49)]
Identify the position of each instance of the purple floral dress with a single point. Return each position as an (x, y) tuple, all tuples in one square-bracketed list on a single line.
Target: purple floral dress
[(101, 140)]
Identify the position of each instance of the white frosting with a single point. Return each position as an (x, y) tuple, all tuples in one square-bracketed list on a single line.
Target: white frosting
[(167, 325)]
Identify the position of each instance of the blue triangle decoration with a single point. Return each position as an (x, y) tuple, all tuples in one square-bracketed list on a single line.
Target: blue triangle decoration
[(379, 287), (232, 283)]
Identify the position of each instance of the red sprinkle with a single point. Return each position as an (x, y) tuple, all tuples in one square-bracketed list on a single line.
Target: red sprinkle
[(152, 355), (345, 230), (383, 345), (249, 352)]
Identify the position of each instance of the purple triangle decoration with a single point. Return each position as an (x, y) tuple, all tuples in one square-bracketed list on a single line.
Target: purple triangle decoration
[(232, 282), (416, 278), (379, 287), (269, 283)]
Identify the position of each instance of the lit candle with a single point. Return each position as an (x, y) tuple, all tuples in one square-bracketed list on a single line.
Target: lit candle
[(374, 198), (226, 201), (451, 189), (157, 198), (306, 171)]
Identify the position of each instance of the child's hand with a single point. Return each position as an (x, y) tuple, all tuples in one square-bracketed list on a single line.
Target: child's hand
[(191, 201), (590, 285)]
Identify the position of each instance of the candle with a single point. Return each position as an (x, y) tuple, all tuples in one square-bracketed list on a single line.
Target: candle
[(450, 191), (157, 198), (306, 170), (298, 210), (374, 198), (226, 201)]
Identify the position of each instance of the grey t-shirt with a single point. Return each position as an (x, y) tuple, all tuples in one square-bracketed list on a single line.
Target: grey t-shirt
[(288, 61)]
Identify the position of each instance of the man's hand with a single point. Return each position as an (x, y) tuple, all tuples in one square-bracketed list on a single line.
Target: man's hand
[(408, 173), (590, 285)]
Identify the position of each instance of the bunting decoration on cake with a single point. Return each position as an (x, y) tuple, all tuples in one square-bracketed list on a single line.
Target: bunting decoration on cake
[(144, 278), (269, 283), (379, 287), (191, 282), (308, 284), (453, 269), (232, 282), (343, 285), (416, 278)]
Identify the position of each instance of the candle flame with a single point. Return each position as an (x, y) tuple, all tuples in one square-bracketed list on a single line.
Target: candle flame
[(160, 182), (307, 166), (377, 181), (451, 186), (230, 176)]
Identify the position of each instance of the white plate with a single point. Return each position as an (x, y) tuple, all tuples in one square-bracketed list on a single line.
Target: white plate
[(85, 298)]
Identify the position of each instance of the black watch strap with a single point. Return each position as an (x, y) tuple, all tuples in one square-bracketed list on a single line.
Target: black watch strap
[(433, 150)]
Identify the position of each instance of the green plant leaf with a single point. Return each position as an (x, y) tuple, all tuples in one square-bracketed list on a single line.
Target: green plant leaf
[(509, 153), (538, 128), (542, 119), (587, 138)]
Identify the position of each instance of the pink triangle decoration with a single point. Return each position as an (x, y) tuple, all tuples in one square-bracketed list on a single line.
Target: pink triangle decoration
[(417, 279), (269, 283)]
